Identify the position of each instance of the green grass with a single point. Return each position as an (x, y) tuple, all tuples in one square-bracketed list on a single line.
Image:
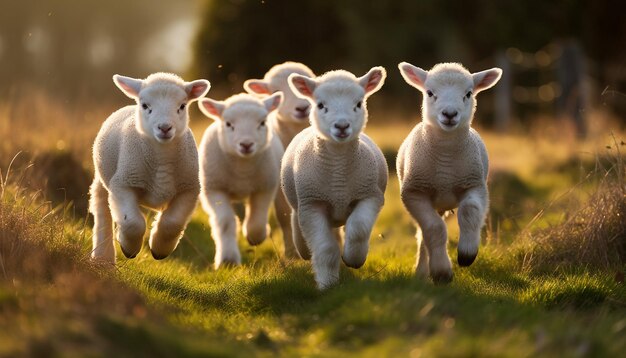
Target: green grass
[(53, 301)]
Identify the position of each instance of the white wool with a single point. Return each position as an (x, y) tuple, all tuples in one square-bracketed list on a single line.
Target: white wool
[(239, 161), (145, 156), (290, 119), (443, 164), (333, 175)]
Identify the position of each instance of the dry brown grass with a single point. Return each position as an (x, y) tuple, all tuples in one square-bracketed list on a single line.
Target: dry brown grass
[(52, 297), (591, 236)]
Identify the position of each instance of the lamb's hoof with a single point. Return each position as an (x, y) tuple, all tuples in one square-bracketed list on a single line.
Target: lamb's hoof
[(157, 256), (466, 259), (441, 278), (127, 254), (353, 263), (227, 265)]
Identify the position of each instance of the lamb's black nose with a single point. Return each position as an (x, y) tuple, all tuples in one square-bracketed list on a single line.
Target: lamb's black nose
[(302, 109), (165, 128), (450, 115), (342, 126)]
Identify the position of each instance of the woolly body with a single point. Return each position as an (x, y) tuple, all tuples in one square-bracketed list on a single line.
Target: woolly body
[(145, 159), (291, 117), (230, 172), (334, 175), (443, 165)]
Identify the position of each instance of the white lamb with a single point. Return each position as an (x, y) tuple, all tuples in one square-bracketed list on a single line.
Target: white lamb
[(333, 174), (290, 119), (239, 160), (145, 155), (443, 165)]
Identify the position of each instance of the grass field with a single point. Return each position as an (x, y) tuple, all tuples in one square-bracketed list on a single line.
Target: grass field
[(548, 281)]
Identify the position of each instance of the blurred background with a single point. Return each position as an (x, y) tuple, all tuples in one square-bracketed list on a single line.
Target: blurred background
[(561, 59)]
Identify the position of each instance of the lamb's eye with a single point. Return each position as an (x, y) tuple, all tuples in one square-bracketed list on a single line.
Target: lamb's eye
[(359, 104), (229, 125), (144, 106), (182, 107), (262, 124), (429, 93), (468, 95), (320, 105)]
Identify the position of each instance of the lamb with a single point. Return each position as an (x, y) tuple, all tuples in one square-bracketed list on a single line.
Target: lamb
[(290, 119), (334, 175), (145, 156), (239, 160), (443, 165)]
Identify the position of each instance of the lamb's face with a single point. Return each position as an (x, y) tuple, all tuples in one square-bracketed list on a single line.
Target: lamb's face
[(163, 112), (243, 125), (162, 101), (244, 129), (449, 92), (339, 112), (293, 108), (449, 101)]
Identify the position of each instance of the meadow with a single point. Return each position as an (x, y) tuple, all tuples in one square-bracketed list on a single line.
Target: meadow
[(548, 281)]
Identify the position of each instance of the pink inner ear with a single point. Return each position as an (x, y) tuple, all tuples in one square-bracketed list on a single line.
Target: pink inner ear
[(210, 108), (259, 88), (413, 76), (127, 88), (301, 85), (197, 90), (373, 80), (487, 80)]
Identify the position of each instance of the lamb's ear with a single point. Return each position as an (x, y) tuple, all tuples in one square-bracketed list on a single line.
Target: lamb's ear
[(272, 102), (373, 80), (130, 86), (256, 87), (486, 79), (196, 89), (211, 108), (301, 85), (413, 75)]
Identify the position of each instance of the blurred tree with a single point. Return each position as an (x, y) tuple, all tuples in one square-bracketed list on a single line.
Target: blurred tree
[(72, 48)]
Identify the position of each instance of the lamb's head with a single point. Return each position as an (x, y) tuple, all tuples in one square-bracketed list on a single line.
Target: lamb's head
[(338, 97), (449, 92), (292, 108), (243, 129), (162, 101)]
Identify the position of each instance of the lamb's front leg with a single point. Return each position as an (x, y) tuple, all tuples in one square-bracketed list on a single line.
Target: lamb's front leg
[(471, 217), (358, 230), (317, 232), (131, 224), (255, 226), (435, 236), (223, 227), (169, 225)]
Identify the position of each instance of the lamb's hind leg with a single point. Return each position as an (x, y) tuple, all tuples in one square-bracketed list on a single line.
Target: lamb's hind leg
[(283, 215), (435, 236), (103, 248), (298, 240), (421, 265), (358, 230), (319, 237), (471, 217), (170, 224), (223, 227)]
